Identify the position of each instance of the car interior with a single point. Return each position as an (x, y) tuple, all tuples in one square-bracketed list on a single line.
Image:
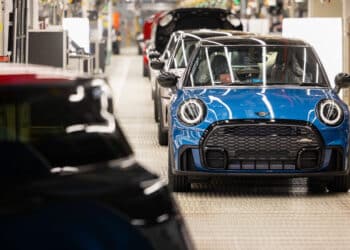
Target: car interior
[(283, 66)]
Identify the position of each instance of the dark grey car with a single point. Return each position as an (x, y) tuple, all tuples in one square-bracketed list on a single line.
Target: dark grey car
[(176, 62)]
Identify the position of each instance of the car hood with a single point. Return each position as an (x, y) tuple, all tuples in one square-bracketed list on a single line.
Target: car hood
[(261, 103), (193, 18)]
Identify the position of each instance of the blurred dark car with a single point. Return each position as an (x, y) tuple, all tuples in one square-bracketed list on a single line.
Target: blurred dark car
[(165, 23), (69, 179), (190, 19), (185, 19)]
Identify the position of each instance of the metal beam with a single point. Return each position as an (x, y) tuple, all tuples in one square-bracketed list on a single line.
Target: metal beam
[(6, 7)]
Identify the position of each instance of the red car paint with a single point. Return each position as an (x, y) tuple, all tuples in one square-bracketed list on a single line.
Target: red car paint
[(19, 74)]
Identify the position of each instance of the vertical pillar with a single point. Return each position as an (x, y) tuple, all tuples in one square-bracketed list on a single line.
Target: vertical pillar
[(6, 7), (335, 8), (85, 7), (331, 8), (346, 34), (110, 25), (2, 34), (243, 8), (346, 44)]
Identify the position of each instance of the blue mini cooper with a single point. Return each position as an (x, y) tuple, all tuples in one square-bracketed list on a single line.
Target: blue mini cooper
[(257, 106)]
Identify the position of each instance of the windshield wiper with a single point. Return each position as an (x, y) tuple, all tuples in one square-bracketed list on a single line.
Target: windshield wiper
[(237, 83), (295, 83), (309, 84)]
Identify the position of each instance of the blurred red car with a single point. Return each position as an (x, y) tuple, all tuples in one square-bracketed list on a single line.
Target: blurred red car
[(147, 33)]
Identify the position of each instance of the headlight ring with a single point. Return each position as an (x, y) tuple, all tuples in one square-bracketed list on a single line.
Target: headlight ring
[(191, 112), (330, 112)]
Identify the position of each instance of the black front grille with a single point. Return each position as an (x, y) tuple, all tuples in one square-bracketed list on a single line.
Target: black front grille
[(253, 145)]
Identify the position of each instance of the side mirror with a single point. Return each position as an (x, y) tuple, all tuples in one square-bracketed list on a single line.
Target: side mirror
[(153, 54), (342, 80), (167, 79), (157, 64)]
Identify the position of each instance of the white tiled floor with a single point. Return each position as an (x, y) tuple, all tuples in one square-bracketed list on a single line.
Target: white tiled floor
[(244, 214)]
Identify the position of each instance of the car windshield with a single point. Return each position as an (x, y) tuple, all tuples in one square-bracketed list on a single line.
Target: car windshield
[(183, 52), (171, 44), (64, 125), (256, 65)]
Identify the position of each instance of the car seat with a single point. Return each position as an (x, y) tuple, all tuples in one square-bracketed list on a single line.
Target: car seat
[(220, 69)]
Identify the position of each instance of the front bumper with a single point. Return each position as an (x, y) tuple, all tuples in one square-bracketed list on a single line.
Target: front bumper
[(189, 163), (200, 174), (330, 153)]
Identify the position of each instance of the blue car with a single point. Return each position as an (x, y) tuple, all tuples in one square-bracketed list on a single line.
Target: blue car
[(257, 106)]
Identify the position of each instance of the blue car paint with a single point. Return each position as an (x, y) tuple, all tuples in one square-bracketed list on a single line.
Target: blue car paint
[(69, 226), (236, 103)]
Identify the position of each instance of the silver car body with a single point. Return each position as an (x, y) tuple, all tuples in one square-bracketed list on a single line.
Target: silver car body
[(163, 95), (166, 56)]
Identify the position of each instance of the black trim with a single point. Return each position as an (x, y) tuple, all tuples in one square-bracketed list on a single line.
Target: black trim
[(337, 159), (307, 149), (182, 151), (240, 174), (253, 122), (225, 165), (335, 166)]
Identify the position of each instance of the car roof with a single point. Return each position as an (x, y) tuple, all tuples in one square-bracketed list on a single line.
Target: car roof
[(196, 9), (12, 74), (253, 40), (206, 33)]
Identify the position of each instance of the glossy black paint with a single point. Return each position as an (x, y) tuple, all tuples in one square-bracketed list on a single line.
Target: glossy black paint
[(342, 80), (70, 152), (255, 39), (191, 18), (167, 79), (157, 64), (153, 55)]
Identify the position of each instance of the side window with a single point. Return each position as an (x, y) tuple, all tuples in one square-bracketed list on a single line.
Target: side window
[(173, 64), (171, 44), (179, 58), (219, 66), (293, 65), (201, 71)]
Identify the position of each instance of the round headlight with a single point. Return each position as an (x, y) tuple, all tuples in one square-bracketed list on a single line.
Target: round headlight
[(234, 20), (166, 20), (330, 112), (191, 112)]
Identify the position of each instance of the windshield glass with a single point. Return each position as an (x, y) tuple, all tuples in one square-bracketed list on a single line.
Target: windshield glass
[(183, 52), (64, 125), (256, 65), (171, 44)]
